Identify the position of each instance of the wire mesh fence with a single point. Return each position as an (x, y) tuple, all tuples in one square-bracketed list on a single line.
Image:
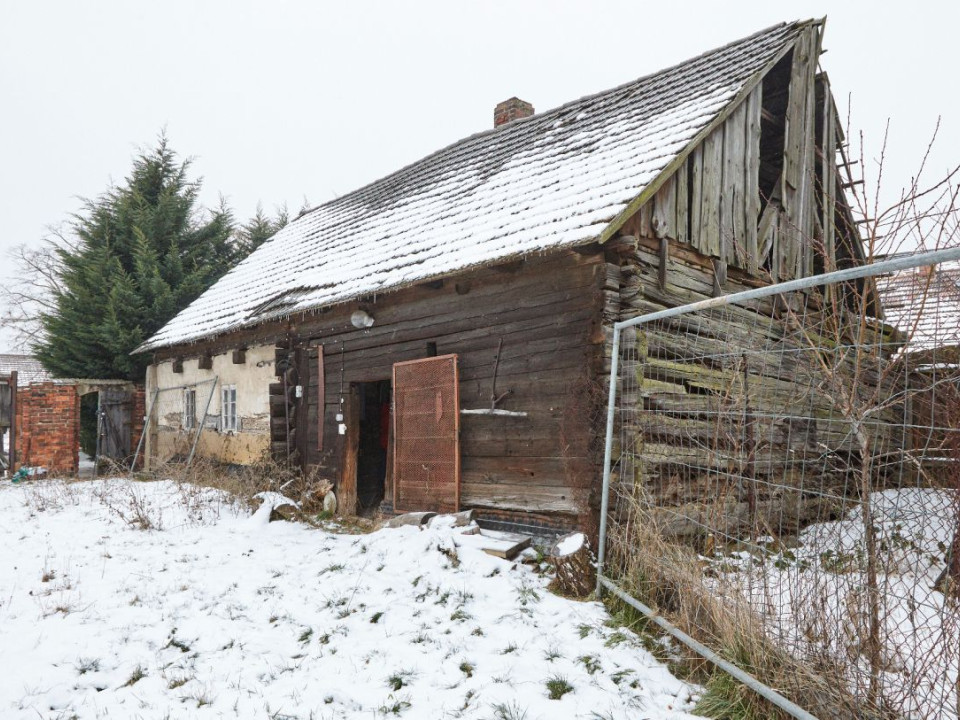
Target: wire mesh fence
[(782, 481), (176, 418)]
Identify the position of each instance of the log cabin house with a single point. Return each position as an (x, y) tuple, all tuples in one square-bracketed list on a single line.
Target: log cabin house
[(439, 339)]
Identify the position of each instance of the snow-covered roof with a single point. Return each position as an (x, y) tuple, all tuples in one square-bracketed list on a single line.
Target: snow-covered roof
[(924, 304), (556, 179), (29, 370)]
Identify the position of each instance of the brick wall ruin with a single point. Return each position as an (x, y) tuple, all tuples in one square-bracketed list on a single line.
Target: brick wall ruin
[(48, 427)]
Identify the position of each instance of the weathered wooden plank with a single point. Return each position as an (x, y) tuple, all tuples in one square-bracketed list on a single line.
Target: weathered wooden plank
[(347, 487), (318, 379), (682, 220), (664, 217), (828, 182), (645, 220), (663, 263), (567, 319), (732, 200), (521, 497), (796, 182), (695, 168), (504, 545), (711, 193), (751, 183)]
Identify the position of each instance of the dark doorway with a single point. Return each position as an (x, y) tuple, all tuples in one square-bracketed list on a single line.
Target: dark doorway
[(373, 443)]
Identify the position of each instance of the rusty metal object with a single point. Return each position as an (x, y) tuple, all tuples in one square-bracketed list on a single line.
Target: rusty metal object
[(426, 430)]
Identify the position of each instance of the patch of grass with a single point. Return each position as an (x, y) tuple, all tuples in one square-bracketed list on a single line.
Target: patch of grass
[(399, 680), (503, 711), (590, 662), (306, 635), (394, 706), (375, 618), (509, 649), (467, 669), (85, 665), (583, 631), (48, 575), (179, 644), (467, 700), (335, 567), (616, 638), (557, 687), (178, 681), (477, 631), (201, 697), (552, 653), (136, 676), (619, 676), (727, 699), (527, 595), (460, 614)]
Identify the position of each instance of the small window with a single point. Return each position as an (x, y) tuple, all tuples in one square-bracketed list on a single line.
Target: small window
[(190, 409), (228, 408)]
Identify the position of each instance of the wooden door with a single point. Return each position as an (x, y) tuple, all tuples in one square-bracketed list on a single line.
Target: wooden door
[(426, 435), (116, 413)]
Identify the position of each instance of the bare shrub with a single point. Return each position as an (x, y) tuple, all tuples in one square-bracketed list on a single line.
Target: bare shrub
[(244, 483), (130, 504), (669, 577)]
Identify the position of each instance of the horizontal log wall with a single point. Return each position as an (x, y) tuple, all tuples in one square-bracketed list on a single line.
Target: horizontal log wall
[(547, 314), (682, 400)]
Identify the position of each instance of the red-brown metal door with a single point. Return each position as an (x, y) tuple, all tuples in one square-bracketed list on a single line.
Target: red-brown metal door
[(426, 433)]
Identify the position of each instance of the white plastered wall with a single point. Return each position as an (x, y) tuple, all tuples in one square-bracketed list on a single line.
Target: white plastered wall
[(168, 438)]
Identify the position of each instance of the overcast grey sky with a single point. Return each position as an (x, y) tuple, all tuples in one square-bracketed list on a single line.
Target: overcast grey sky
[(281, 101)]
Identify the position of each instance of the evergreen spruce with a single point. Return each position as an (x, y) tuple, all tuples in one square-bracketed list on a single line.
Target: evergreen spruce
[(259, 229), (145, 251)]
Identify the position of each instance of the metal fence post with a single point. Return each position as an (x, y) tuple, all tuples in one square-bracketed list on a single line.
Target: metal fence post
[(146, 427), (206, 409), (608, 457)]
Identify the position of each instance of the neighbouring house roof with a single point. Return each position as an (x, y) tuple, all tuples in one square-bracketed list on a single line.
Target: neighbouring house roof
[(29, 370), (924, 305), (554, 180)]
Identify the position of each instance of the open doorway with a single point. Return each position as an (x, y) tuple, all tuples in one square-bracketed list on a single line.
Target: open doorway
[(373, 443)]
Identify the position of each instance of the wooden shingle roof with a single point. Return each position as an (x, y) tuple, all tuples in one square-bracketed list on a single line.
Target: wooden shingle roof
[(554, 180)]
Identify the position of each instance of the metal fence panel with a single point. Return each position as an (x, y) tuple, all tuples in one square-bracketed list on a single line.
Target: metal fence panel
[(177, 417), (782, 472)]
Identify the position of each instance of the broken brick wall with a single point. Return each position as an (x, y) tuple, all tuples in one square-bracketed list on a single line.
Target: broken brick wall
[(48, 427), (138, 414)]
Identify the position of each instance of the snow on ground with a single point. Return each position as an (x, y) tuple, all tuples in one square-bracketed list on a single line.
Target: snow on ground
[(151, 600), (813, 598)]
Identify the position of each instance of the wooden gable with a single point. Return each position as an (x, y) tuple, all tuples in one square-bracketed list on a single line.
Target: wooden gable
[(761, 192)]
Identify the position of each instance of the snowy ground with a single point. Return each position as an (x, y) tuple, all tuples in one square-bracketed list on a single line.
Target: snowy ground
[(813, 599), (211, 612)]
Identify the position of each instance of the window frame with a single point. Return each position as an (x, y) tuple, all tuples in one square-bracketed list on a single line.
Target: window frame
[(188, 420), (229, 422)]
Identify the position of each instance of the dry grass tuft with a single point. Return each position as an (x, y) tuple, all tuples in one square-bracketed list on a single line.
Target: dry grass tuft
[(669, 577)]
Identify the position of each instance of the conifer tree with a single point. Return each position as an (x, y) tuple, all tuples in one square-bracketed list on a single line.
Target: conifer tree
[(259, 229), (144, 251)]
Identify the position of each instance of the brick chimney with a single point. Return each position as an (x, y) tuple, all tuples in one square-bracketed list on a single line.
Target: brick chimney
[(510, 110)]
